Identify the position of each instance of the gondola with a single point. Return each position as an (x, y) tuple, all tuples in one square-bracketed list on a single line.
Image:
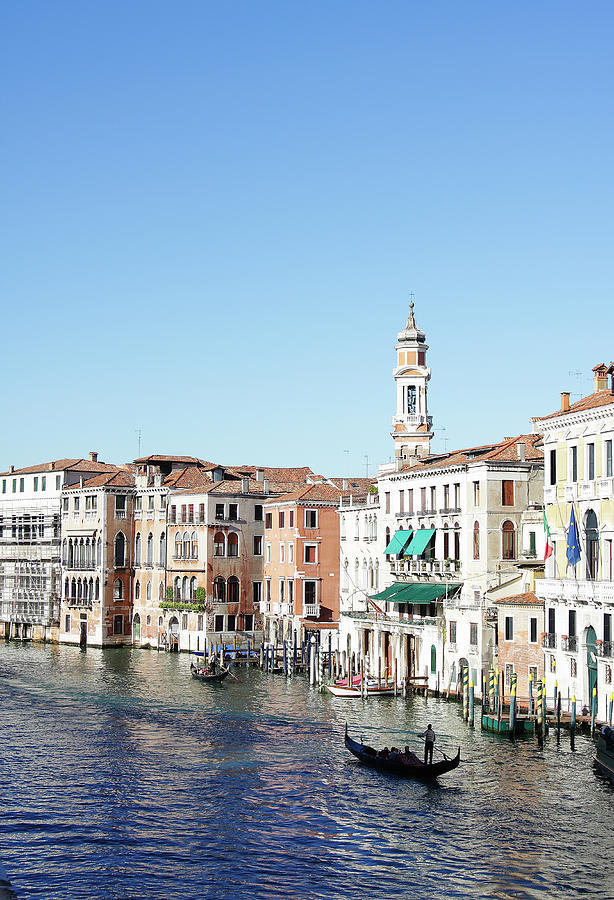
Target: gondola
[(604, 757), (200, 675), (402, 765)]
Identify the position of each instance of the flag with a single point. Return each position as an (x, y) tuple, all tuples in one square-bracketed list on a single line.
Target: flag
[(573, 541), (374, 604), (549, 547)]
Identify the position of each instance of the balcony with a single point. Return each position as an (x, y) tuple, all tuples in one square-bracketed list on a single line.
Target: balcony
[(605, 648), (580, 591), (80, 602), (286, 609), (450, 510), (549, 641), (120, 514), (427, 512), (312, 610), (570, 644), (264, 607)]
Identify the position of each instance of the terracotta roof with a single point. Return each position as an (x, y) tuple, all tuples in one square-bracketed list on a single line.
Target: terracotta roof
[(310, 493), (283, 475), (529, 598), (504, 451), (158, 458), (221, 487), (354, 485), (62, 465), (109, 479), (599, 398)]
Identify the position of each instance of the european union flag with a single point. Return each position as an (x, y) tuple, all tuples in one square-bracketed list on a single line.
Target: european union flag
[(573, 541)]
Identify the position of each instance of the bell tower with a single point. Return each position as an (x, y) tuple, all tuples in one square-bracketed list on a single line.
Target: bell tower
[(411, 426)]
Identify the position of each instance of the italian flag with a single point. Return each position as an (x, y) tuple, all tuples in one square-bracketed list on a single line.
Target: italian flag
[(549, 548)]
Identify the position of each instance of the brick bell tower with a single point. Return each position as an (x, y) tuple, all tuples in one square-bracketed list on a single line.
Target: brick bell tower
[(411, 426)]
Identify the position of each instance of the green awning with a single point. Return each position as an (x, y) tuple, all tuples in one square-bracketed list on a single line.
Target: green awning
[(419, 594), (398, 542), (388, 592), (419, 542)]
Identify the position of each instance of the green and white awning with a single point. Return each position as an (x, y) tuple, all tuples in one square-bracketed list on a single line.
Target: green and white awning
[(420, 541), (398, 542), (420, 594)]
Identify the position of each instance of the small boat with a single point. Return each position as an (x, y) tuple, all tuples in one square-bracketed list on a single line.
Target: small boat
[(405, 765), (372, 690), (210, 677), (604, 757)]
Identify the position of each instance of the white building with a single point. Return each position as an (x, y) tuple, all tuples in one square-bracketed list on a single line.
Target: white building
[(579, 600)]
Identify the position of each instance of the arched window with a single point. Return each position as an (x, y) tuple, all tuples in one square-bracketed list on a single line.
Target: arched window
[(118, 589), (71, 556), (150, 549), (73, 589), (233, 589), (346, 577), (67, 588), (79, 589), (508, 540), (186, 545), (193, 586), (178, 588), (137, 550), (148, 592), (377, 574), (162, 559), (233, 544), (219, 589), (137, 590), (81, 554), (64, 552), (161, 592), (456, 541), (476, 540), (446, 541), (185, 588), (194, 545), (218, 544), (148, 620), (433, 658), (120, 549), (160, 621), (178, 545), (592, 544), (387, 541), (91, 591), (99, 552), (97, 594)]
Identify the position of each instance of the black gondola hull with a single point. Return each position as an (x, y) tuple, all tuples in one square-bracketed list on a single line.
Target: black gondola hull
[(420, 771), (210, 679)]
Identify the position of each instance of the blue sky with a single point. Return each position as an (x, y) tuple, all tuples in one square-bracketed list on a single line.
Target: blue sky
[(214, 214)]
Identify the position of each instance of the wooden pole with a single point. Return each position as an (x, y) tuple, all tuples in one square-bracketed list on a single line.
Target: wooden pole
[(465, 693), (530, 693), (512, 709), (395, 676), (558, 717), (379, 672), (471, 703), (593, 710), (540, 713), (572, 730), (362, 677)]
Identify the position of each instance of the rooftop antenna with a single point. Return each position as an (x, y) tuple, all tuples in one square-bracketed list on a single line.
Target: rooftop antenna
[(139, 432), (444, 439), (347, 461), (577, 376), (367, 464)]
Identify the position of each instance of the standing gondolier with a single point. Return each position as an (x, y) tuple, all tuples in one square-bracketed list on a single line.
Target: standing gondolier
[(429, 741)]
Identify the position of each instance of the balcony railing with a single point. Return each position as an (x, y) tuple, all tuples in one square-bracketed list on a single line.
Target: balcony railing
[(312, 610), (264, 607), (81, 602), (569, 643), (605, 648), (549, 641)]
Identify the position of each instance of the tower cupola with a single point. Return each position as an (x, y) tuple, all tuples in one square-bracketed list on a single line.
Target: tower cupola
[(412, 425)]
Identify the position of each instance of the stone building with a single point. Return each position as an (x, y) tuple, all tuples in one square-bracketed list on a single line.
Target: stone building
[(30, 544), (578, 640)]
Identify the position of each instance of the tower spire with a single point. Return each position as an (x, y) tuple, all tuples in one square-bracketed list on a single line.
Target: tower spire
[(412, 425)]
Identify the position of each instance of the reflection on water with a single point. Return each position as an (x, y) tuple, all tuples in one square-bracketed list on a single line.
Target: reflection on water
[(125, 778)]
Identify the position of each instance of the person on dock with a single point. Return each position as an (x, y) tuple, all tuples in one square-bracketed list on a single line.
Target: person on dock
[(429, 741)]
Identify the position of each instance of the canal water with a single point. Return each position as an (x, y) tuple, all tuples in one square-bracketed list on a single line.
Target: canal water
[(123, 777)]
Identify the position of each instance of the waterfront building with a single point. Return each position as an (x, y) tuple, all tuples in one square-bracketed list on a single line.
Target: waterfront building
[(579, 597), (520, 623), (30, 544), (97, 573), (448, 534), (301, 564)]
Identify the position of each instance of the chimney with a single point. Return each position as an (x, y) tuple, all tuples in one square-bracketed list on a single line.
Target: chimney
[(11, 468), (564, 401), (600, 378), (265, 486), (344, 485), (259, 474), (245, 485), (93, 456), (51, 466), (81, 481), (521, 449)]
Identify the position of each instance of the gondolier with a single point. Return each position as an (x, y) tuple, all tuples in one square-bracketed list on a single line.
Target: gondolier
[(429, 743)]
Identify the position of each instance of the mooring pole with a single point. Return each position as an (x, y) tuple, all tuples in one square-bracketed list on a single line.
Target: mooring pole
[(512, 709), (593, 710), (540, 715), (471, 703), (572, 730)]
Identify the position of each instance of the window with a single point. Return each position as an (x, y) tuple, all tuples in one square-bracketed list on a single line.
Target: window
[(290, 592), (219, 511), (258, 545), (607, 628), (118, 624), (150, 501), (173, 516), (219, 623), (573, 667), (194, 545), (200, 622), (231, 623), (233, 589), (533, 630), (233, 511), (201, 512), (387, 501), (608, 459), (219, 544), (120, 506), (137, 550), (291, 519), (574, 464), (592, 545), (311, 518), (282, 553), (58, 482), (268, 552), (67, 624), (248, 622), (4, 485), (282, 518), (552, 467), (184, 622), (509, 671), (507, 493), (184, 512), (178, 545), (433, 498), (233, 544), (258, 512), (422, 499), (148, 592), (310, 551), (137, 590), (118, 589), (476, 540), (590, 462), (268, 520), (572, 623), (219, 589), (532, 544), (401, 501), (509, 628), (508, 541), (162, 549), (309, 592), (446, 496), (44, 483), (138, 504), (457, 502), (256, 592), (452, 632), (433, 659), (75, 505), (35, 483), (186, 545), (291, 552), (473, 634), (191, 513), (120, 550), (476, 493), (533, 675), (22, 484), (14, 485), (282, 590), (410, 500)]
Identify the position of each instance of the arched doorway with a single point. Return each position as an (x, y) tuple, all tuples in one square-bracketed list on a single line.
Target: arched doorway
[(136, 628), (591, 663), (173, 635)]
